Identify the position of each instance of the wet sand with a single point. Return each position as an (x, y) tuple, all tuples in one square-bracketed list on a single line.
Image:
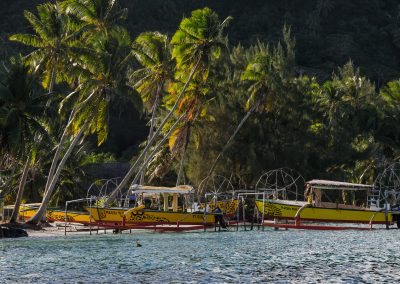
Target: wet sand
[(58, 230)]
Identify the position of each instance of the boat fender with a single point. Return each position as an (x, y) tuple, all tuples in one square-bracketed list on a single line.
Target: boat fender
[(134, 209)]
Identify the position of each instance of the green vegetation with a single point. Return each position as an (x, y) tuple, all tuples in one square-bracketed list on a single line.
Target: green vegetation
[(96, 84)]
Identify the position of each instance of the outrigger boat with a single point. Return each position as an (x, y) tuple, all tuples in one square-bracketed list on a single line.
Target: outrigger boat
[(26, 211), (316, 210), (150, 214)]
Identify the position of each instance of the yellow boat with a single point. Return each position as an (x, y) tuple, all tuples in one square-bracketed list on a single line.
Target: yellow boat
[(283, 209), (26, 211), (315, 210), (148, 217), (145, 215)]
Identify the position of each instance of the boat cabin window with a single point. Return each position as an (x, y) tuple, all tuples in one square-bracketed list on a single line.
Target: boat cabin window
[(162, 202)]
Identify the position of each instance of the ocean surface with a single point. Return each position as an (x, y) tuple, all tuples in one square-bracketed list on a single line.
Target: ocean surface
[(293, 256)]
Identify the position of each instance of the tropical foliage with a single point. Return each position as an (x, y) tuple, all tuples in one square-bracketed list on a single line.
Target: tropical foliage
[(237, 109)]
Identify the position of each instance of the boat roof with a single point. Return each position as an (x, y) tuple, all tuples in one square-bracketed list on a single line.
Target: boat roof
[(338, 185), (181, 189)]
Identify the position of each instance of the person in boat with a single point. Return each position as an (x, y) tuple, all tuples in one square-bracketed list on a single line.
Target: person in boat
[(147, 203), (219, 217), (309, 194), (132, 200)]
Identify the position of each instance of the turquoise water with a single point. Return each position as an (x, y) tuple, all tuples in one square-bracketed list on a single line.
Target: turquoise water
[(292, 256)]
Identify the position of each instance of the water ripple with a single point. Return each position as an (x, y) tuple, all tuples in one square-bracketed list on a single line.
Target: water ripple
[(234, 257)]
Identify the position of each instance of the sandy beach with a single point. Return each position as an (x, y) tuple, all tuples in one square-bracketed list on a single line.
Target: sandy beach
[(58, 230)]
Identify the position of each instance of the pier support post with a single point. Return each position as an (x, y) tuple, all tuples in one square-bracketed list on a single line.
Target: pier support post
[(90, 216), (263, 212), (386, 211), (244, 214), (65, 219)]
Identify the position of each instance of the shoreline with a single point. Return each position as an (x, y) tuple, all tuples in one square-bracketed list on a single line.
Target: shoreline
[(74, 230), (58, 230)]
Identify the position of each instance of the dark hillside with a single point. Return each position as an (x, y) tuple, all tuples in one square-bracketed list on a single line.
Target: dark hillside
[(328, 32)]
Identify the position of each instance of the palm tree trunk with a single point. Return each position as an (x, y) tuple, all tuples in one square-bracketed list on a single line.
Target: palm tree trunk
[(127, 177), (52, 78), (21, 188), (55, 160), (153, 116), (250, 111), (178, 179), (149, 157), (187, 137), (146, 162), (39, 215), (57, 154)]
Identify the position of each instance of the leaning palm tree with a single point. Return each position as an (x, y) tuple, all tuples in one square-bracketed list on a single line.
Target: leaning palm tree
[(103, 80), (153, 51), (267, 73), (198, 39), (22, 109), (56, 48), (52, 42), (194, 105)]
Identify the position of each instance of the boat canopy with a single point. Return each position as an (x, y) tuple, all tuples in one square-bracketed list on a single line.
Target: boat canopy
[(180, 189), (328, 184)]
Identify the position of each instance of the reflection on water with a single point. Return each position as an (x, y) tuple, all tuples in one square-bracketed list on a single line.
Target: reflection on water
[(257, 256)]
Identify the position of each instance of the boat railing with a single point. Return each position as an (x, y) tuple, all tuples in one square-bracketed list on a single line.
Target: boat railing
[(373, 199), (241, 198), (89, 200)]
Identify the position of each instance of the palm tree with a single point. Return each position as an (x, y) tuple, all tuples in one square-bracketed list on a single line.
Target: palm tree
[(153, 51), (56, 47), (52, 42), (96, 16), (266, 72), (103, 79), (198, 39), (194, 105), (21, 120), (346, 98)]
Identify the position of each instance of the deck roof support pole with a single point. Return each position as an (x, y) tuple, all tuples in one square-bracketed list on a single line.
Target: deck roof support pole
[(175, 202), (165, 202)]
